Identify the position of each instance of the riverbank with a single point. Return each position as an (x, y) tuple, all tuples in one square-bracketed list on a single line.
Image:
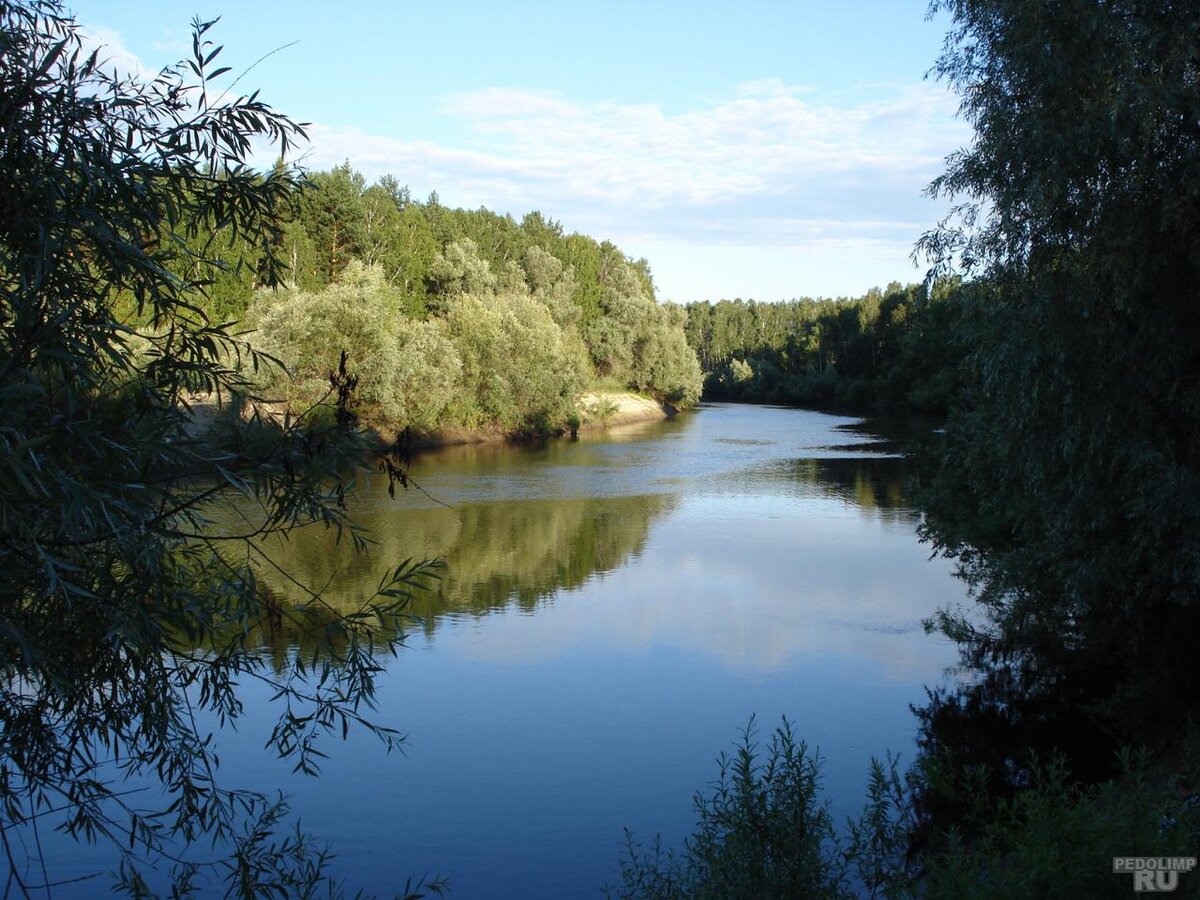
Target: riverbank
[(597, 410), (604, 408)]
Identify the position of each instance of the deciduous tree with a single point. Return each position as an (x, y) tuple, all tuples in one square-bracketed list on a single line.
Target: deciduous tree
[(123, 609), (1071, 490)]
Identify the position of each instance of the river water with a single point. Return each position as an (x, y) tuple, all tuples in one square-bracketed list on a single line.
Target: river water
[(613, 611)]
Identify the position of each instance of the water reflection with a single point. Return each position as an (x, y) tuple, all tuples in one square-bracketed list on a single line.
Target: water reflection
[(768, 560), (757, 583), (809, 584), (516, 553), (871, 486), (988, 736), (611, 611)]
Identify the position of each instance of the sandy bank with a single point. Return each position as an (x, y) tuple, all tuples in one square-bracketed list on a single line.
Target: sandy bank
[(597, 410), (603, 408)]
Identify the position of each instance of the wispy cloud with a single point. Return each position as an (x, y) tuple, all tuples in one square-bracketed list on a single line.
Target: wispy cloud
[(113, 54), (767, 164)]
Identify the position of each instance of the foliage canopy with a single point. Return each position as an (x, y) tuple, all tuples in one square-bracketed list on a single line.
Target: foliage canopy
[(446, 290), (124, 613), (1070, 484)]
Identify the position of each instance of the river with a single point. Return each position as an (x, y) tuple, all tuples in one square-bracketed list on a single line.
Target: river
[(613, 611)]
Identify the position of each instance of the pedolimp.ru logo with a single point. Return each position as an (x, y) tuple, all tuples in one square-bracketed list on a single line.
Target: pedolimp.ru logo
[(1154, 873)]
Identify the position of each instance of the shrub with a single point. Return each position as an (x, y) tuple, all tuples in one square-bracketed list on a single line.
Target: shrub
[(762, 832), (518, 369), (408, 371)]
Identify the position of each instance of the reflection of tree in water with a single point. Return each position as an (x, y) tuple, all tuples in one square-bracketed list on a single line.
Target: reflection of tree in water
[(1019, 706), (287, 629), (496, 554), (980, 742), (874, 484), (519, 552)]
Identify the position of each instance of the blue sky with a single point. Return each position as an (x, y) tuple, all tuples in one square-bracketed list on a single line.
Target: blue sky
[(773, 151)]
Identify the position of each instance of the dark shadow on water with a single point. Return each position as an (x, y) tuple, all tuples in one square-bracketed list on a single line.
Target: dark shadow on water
[(981, 742)]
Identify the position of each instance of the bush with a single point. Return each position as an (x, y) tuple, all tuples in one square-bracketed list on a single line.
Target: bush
[(519, 370), (408, 371), (665, 366), (762, 833), (1056, 837)]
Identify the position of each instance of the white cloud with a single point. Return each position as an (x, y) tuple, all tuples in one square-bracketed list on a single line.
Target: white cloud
[(769, 165), (113, 52), (766, 147), (512, 101)]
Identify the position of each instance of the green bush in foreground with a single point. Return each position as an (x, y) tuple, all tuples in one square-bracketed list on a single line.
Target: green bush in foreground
[(1058, 839), (764, 832)]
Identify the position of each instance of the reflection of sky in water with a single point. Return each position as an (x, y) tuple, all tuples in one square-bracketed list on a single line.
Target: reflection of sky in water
[(766, 588), (694, 447), (754, 586)]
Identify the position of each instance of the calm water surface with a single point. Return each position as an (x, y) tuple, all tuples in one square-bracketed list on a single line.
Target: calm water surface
[(614, 611)]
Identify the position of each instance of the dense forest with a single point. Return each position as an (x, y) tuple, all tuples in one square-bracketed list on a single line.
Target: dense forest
[(1068, 483), (469, 318), (892, 351), (451, 317)]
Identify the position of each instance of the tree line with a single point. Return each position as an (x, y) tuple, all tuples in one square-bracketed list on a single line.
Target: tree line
[(452, 317), (894, 350)]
